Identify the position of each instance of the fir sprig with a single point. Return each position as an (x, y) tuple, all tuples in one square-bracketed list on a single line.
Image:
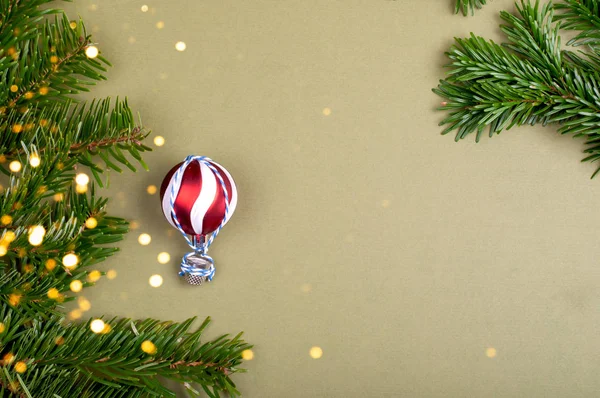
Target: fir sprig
[(468, 6), (527, 80)]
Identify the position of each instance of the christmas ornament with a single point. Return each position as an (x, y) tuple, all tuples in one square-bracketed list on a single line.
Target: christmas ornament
[(198, 197)]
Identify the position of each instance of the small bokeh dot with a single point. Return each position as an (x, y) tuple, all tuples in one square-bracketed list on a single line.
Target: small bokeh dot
[(159, 141), (155, 280), (491, 352), (248, 355), (316, 352), (144, 239), (151, 189), (326, 111)]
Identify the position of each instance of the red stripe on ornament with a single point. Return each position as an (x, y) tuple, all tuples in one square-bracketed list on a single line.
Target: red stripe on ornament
[(191, 184), (216, 212)]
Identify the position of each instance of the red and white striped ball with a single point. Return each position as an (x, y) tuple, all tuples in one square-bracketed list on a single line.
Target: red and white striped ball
[(199, 198)]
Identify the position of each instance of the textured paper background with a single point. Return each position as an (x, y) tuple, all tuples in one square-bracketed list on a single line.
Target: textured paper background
[(404, 255)]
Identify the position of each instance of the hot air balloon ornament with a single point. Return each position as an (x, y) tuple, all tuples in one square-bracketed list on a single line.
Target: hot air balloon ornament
[(198, 197)]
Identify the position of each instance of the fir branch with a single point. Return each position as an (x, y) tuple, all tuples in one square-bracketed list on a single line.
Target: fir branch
[(525, 81), (466, 6), (583, 16)]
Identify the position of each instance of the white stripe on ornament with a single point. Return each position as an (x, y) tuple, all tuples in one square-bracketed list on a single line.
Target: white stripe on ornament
[(233, 197), (206, 197)]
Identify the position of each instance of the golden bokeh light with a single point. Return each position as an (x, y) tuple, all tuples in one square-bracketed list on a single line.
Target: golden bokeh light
[(151, 189), (15, 166), (155, 280), (81, 188), (50, 264), (84, 304), (159, 140), (8, 358), (163, 257), (326, 111), (91, 223), (44, 90), (111, 274), (14, 88), (316, 352), (3, 250), (97, 325), (53, 293), (306, 287), (70, 260), (94, 276), (73, 24), (2, 327), (144, 239), (82, 179), (248, 355), (58, 197), (34, 160), (76, 286), (148, 347), (144, 8), (17, 128), (160, 25), (180, 46), (134, 224), (75, 314), (6, 219), (91, 51), (36, 235), (107, 328), (9, 236), (20, 367), (491, 352)]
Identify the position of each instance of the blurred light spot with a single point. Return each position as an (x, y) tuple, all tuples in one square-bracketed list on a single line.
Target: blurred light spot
[(97, 325), (36, 235), (155, 280), (134, 224), (151, 189), (316, 352), (144, 8), (107, 328), (81, 188), (144, 239), (2, 327), (14, 88), (91, 223), (50, 264), (6, 219), (247, 355), (17, 128), (59, 340), (54, 59), (491, 352), (84, 304), (15, 166), (111, 274), (75, 314), (82, 179), (326, 111), (131, 40), (44, 90), (53, 293), (8, 358), (159, 141), (160, 25), (148, 347), (76, 286), (73, 24), (91, 51), (164, 257), (28, 95), (34, 160), (94, 276), (58, 197), (9, 236), (20, 367), (180, 46), (3, 250), (306, 287), (14, 299), (70, 260)]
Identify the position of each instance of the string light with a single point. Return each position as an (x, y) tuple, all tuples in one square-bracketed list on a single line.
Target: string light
[(34, 160), (159, 140), (316, 352), (97, 325), (144, 239), (82, 179), (163, 257), (91, 51), (36, 235), (180, 46), (91, 223), (247, 355), (15, 166), (148, 347), (53, 293), (155, 280), (94, 276), (70, 260), (20, 367), (76, 286)]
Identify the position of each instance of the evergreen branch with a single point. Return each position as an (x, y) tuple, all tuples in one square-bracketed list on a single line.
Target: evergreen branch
[(129, 353), (583, 16), (526, 81), (466, 6)]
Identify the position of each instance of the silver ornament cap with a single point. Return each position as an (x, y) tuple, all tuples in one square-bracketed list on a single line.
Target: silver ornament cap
[(197, 261)]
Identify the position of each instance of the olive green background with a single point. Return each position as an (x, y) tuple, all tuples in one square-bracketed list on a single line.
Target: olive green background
[(403, 255)]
